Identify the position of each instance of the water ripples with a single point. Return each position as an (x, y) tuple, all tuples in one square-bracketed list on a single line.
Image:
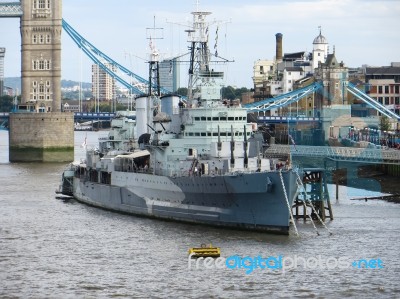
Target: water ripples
[(55, 249)]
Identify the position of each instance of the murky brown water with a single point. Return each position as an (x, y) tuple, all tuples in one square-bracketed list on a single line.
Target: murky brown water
[(55, 249)]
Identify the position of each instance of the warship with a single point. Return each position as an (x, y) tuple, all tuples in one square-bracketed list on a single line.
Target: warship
[(194, 159)]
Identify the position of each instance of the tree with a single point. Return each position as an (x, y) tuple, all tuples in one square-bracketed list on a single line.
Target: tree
[(384, 123), (232, 93), (182, 91), (6, 104)]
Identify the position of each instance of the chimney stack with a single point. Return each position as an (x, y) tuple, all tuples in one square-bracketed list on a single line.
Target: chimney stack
[(278, 55)]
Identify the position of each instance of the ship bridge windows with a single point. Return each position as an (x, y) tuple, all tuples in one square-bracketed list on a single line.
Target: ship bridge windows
[(215, 134), (221, 118)]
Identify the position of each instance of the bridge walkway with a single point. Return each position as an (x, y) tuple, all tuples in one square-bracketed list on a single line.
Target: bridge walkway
[(349, 154)]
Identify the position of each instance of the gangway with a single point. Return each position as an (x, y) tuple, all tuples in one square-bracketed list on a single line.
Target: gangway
[(283, 100), (371, 102)]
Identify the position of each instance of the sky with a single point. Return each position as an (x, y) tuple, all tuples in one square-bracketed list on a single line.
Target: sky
[(361, 31)]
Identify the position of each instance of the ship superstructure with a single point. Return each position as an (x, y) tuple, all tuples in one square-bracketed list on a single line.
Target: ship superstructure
[(197, 159)]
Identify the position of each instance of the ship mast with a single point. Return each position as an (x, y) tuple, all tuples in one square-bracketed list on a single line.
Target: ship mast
[(199, 51), (154, 59)]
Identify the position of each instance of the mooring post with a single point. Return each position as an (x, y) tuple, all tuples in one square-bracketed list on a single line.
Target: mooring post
[(337, 181)]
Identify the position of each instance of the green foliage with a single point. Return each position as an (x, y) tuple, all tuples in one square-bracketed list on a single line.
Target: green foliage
[(384, 123), (6, 103), (182, 91), (232, 93), (228, 92), (106, 107), (74, 95)]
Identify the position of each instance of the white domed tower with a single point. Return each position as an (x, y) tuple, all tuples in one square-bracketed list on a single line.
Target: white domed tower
[(320, 49)]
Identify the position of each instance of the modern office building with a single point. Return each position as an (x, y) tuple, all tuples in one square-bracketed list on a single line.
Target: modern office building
[(383, 84), (169, 74), (103, 85)]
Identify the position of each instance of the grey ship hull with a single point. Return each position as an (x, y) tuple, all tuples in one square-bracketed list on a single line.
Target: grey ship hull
[(253, 201)]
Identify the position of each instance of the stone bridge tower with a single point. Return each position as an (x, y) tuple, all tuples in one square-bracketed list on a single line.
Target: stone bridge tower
[(41, 26), (39, 131)]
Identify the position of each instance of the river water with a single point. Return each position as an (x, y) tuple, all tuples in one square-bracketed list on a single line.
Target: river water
[(55, 249)]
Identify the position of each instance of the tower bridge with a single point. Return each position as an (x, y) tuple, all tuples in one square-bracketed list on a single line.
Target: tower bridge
[(40, 27), (51, 47)]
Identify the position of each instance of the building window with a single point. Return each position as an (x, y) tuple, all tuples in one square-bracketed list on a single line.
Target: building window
[(42, 4), (48, 39), (41, 39), (41, 64), (397, 100), (396, 89), (386, 89), (34, 39), (386, 100), (380, 89)]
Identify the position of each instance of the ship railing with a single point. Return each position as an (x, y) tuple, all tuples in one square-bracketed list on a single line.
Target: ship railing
[(212, 173)]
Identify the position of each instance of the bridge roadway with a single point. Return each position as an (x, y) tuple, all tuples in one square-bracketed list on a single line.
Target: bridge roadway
[(261, 119), (78, 116), (286, 119), (344, 154)]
